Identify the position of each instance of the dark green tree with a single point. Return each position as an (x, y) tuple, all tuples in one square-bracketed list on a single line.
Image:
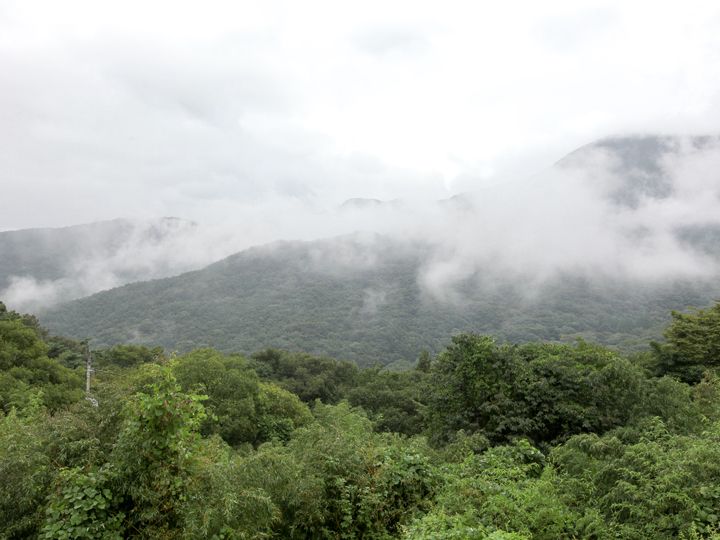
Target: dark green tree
[(545, 392), (242, 409), (692, 344), (25, 368), (310, 377)]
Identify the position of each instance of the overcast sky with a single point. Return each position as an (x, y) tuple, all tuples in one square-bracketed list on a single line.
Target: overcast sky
[(206, 109)]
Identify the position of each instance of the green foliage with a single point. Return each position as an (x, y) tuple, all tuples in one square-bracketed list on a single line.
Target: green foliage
[(438, 525), (34, 448), (20, 344), (396, 401), (538, 441), (242, 409), (424, 361), (128, 355), (155, 451), (83, 508), (693, 344), (279, 413), (337, 478), (232, 389), (645, 481), (26, 472), (152, 481), (159, 479), (217, 504), (502, 493), (541, 391), (25, 367), (706, 397), (68, 352), (309, 377)]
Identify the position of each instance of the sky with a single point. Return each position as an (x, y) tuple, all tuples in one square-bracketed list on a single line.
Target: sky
[(227, 111)]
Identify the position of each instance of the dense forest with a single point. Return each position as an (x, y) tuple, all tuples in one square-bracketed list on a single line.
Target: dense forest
[(482, 440)]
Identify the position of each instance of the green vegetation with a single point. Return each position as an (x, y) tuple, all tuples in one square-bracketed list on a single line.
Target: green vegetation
[(485, 440), (693, 344), (25, 369)]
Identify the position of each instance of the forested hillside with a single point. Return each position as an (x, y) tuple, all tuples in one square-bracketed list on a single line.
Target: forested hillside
[(359, 298), (481, 441), (52, 254), (41, 267)]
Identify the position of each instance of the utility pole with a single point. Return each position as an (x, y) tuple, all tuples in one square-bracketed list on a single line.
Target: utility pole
[(88, 371), (88, 368)]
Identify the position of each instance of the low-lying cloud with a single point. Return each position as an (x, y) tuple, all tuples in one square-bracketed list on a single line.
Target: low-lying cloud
[(566, 219), (569, 219)]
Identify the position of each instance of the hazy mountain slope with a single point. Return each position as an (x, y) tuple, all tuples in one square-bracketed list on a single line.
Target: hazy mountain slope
[(41, 267), (48, 254), (640, 162), (333, 296), (601, 246), (359, 298)]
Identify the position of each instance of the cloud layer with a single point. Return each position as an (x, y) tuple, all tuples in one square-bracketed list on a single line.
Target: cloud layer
[(640, 208), (208, 111)]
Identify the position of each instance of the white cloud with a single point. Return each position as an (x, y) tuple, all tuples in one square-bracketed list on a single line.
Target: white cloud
[(179, 108)]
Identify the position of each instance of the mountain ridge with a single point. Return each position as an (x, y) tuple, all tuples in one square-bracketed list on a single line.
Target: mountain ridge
[(383, 298), (375, 312)]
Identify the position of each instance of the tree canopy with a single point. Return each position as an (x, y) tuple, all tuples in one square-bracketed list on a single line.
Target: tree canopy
[(487, 440)]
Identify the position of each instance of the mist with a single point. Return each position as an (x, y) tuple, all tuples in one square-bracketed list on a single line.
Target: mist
[(205, 112), (572, 218), (617, 209)]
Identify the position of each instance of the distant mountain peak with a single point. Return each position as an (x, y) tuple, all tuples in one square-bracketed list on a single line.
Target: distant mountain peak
[(639, 160)]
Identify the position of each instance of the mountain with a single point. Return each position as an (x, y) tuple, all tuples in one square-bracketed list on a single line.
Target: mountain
[(358, 297), (664, 173), (39, 267), (49, 254), (642, 163)]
